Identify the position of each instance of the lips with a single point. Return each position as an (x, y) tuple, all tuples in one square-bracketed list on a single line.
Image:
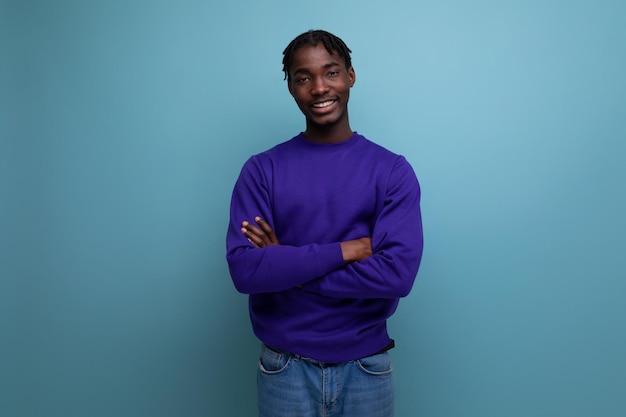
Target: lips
[(323, 107), (323, 104)]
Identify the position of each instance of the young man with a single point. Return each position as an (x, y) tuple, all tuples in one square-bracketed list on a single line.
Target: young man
[(325, 235)]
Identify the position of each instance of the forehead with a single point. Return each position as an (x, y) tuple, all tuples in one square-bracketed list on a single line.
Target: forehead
[(309, 57)]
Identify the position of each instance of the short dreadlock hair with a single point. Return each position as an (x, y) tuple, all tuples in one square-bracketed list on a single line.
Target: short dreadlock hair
[(332, 43)]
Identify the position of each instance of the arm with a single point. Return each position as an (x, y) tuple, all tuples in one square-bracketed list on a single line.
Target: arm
[(264, 236), (258, 265), (397, 241)]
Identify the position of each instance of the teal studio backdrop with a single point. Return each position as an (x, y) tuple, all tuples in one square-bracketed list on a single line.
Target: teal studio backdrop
[(124, 125)]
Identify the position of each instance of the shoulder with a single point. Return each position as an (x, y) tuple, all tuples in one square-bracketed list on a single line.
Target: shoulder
[(395, 164), (264, 158), (374, 146), (280, 150), (382, 153)]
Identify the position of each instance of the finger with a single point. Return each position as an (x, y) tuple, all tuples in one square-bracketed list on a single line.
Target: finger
[(256, 231), (261, 232), (267, 229), (253, 238), (264, 225), (247, 227), (252, 233), (257, 235)]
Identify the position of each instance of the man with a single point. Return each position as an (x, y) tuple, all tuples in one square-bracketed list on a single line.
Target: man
[(325, 235)]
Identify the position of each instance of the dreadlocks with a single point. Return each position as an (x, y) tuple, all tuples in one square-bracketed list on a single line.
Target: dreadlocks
[(331, 42)]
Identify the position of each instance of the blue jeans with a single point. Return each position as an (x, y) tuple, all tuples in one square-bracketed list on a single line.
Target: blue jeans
[(293, 386)]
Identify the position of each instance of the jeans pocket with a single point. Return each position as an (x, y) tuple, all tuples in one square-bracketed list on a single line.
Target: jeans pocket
[(272, 362), (376, 365)]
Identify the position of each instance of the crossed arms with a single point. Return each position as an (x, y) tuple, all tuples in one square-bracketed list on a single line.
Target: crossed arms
[(381, 263), (362, 272), (262, 236)]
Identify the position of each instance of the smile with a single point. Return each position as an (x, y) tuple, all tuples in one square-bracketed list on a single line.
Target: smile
[(323, 104)]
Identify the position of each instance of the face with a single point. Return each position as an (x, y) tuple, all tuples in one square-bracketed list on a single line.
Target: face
[(320, 83)]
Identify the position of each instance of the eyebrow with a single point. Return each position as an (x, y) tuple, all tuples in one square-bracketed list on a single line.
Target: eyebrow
[(328, 65)]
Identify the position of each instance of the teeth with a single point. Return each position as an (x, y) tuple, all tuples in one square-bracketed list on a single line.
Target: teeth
[(324, 104)]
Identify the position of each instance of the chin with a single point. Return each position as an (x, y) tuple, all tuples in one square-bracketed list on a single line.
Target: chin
[(327, 120)]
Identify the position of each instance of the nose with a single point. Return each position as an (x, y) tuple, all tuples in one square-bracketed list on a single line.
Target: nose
[(319, 86)]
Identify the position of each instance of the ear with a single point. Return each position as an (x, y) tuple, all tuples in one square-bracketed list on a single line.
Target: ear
[(351, 76)]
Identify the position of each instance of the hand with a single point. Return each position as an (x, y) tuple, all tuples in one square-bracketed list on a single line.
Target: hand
[(262, 236), (356, 250)]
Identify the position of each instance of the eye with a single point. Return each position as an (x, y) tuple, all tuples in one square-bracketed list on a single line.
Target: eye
[(333, 74), (302, 80)]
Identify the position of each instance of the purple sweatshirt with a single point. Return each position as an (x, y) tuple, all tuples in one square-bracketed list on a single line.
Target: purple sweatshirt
[(303, 298)]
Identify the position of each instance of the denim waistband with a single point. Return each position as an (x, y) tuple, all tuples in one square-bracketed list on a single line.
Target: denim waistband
[(390, 346)]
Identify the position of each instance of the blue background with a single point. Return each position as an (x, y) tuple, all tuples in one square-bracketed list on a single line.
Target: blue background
[(124, 125)]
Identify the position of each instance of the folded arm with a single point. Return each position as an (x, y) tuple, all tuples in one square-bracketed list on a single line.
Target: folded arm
[(383, 265), (262, 236), (257, 261), (397, 245)]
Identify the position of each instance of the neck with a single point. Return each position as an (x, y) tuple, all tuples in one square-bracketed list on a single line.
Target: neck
[(328, 134)]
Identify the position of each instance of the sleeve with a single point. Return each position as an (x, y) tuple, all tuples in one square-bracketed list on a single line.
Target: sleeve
[(275, 268), (397, 245)]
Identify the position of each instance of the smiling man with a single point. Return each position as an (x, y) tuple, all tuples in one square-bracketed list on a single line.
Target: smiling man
[(325, 236)]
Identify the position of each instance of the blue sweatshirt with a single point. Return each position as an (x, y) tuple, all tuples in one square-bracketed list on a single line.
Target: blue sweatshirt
[(303, 298)]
